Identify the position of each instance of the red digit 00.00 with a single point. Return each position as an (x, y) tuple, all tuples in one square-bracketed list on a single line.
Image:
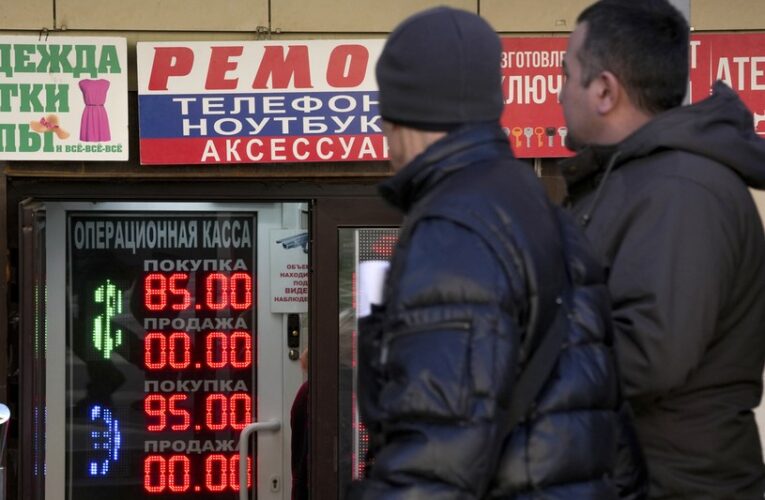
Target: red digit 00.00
[(173, 350), (173, 473)]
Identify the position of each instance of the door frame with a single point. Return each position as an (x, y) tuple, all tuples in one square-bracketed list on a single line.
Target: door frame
[(328, 216)]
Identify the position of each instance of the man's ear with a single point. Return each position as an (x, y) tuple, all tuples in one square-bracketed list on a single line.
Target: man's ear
[(608, 92)]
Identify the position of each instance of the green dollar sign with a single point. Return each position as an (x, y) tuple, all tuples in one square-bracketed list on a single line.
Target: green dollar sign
[(104, 339)]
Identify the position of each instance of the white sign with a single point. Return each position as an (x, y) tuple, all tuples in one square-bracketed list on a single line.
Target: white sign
[(289, 270), (371, 281), (63, 98), (271, 101)]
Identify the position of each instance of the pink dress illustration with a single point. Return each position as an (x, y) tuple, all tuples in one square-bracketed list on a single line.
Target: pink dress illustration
[(94, 126)]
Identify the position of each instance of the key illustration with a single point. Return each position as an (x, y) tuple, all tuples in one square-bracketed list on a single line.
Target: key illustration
[(517, 133), (528, 132), (539, 132), (562, 132), (106, 339), (551, 132)]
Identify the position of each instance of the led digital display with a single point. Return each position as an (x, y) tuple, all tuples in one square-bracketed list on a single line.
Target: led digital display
[(161, 353)]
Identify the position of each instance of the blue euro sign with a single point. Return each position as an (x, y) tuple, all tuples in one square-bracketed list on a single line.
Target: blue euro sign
[(106, 339), (107, 439)]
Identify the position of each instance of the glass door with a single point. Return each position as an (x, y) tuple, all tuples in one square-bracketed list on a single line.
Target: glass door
[(358, 236), (170, 328), (364, 256)]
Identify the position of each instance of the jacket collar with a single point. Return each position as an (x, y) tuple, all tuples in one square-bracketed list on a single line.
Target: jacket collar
[(463, 146), (586, 163), (719, 127)]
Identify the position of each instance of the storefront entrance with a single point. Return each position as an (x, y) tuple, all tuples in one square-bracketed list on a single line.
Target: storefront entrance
[(152, 333), (163, 330)]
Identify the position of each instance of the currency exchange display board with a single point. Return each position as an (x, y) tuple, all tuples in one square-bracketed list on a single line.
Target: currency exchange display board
[(161, 358)]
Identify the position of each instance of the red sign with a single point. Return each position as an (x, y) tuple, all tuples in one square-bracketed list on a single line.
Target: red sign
[(736, 59), (532, 81)]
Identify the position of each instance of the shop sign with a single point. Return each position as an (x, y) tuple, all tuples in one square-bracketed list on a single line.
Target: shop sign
[(531, 82), (259, 101), (736, 59), (316, 101), (63, 98)]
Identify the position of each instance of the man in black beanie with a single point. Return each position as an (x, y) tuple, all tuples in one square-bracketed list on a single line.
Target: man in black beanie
[(477, 284)]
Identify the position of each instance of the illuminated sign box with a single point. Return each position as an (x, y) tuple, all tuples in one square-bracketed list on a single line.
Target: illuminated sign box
[(162, 365), (63, 98)]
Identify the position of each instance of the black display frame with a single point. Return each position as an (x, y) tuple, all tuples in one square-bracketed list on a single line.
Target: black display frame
[(210, 262)]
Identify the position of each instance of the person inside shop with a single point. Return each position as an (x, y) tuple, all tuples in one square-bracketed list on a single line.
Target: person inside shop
[(300, 424)]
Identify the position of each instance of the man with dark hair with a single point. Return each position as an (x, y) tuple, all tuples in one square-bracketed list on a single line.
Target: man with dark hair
[(477, 291), (625, 37), (662, 192)]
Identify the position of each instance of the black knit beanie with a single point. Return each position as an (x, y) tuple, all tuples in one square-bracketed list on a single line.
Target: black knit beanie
[(439, 69)]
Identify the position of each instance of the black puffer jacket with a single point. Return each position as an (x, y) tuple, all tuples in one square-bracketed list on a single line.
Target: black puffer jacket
[(472, 283), (686, 251)]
